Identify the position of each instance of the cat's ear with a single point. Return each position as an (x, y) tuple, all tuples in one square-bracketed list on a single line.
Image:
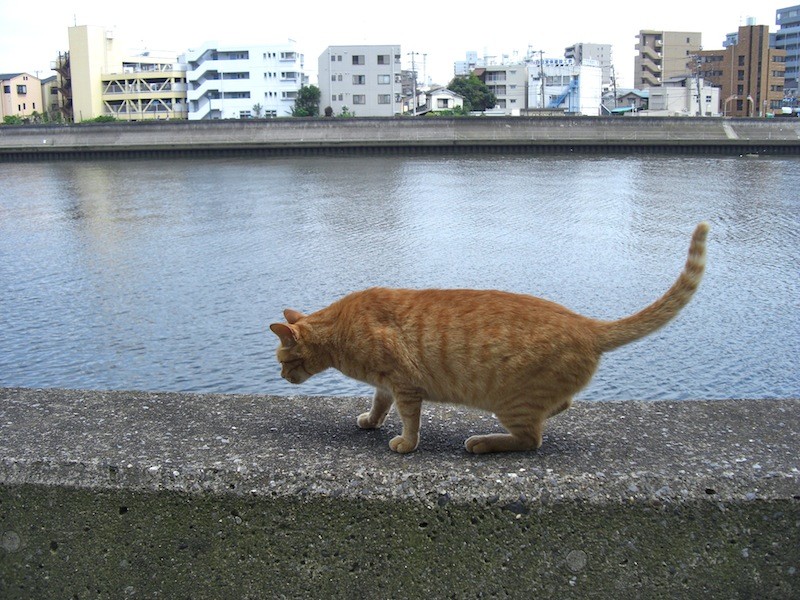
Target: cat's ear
[(292, 316), (286, 333)]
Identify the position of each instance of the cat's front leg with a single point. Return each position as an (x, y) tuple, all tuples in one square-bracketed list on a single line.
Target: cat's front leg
[(381, 404), (409, 407)]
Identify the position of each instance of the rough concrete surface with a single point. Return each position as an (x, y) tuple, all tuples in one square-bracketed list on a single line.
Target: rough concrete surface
[(166, 495)]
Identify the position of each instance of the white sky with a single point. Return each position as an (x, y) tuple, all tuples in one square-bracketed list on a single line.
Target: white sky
[(32, 34)]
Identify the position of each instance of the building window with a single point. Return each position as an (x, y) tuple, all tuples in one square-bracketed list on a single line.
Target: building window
[(384, 99), (359, 79), (442, 103), (358, 59), (359, 99), (741, 60), (22, 89), (6, 89), (245, 114), (383, 59), (384, 79)]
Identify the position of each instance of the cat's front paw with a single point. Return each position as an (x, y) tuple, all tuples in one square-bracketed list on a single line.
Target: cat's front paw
[(365, 421), (402, 445), (478, 444)]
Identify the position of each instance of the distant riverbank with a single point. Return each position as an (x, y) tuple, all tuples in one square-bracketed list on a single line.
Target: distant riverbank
[(288, 137)]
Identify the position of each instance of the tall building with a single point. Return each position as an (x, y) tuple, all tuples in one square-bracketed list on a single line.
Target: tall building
[(661, 55), (366, 80), (599, 53), (21, 95), (241, 81), (788, 38), (750, 73), (101, 80)]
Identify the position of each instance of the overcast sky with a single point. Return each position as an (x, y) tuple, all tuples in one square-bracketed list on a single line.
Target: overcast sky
[(32, 34)]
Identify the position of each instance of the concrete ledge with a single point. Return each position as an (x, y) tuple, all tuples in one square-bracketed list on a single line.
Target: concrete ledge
[(404, 135), (135, 494)]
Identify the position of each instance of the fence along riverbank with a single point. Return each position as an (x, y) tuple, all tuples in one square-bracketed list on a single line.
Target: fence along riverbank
[(293, 137)]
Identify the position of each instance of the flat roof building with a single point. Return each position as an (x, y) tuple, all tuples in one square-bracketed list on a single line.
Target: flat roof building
[(365, 80), (788, 38), (661, 55), (749, 72)]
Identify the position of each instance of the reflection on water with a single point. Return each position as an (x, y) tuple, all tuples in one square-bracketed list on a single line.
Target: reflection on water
[(164, 275)]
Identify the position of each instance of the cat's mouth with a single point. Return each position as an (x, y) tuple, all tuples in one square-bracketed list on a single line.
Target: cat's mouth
[(294, 371)]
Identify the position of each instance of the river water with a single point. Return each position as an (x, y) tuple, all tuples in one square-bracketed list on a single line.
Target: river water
[(165, 274)]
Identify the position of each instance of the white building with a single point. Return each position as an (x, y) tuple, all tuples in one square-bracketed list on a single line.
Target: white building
[(508, 83), (366, 80), (560, 84), (679, 97), (241, 81), (600, 53)]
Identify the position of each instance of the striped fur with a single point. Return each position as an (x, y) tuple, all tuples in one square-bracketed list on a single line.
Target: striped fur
[(518, 356)]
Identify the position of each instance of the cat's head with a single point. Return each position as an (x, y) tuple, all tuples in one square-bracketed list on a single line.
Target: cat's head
[(300, 358)]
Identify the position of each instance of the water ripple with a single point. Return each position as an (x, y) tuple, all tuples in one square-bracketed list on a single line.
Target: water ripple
[(171, 284)]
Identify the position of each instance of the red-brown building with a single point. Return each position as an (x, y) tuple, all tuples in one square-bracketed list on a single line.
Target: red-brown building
[(749, 72)]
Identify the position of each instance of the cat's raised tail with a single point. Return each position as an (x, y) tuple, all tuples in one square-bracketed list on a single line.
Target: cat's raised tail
[(613, 334)]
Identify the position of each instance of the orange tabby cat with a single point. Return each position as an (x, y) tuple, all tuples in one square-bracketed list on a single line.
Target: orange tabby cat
[(520, 357)]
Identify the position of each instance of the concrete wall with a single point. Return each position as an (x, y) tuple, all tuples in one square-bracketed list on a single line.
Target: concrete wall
[(504, 134), (144, 495)]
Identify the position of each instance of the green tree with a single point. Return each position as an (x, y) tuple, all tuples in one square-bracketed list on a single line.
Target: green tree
[(258, 110), (307, 103), (477, 95)]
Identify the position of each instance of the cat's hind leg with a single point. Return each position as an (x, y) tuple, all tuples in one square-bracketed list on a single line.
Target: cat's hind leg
[(524, 423), (381, 404)]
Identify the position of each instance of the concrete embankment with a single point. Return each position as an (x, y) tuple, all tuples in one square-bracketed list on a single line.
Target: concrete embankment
[(403, 136), (144, 495)]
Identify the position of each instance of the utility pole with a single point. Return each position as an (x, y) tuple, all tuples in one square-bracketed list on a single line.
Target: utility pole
[(414, 82), (541, 73)]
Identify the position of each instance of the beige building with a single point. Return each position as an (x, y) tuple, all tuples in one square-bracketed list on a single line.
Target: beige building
[(662, 55), (100, 79), (20, 95)]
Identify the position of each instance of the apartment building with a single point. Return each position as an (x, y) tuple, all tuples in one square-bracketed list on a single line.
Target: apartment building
[(560, 84), (788, 38), (599, 54), (21, 95), (661, 55), (508, 83), (97, 78), (366, 80), (749, 73), (241, 81), (50, 100)]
